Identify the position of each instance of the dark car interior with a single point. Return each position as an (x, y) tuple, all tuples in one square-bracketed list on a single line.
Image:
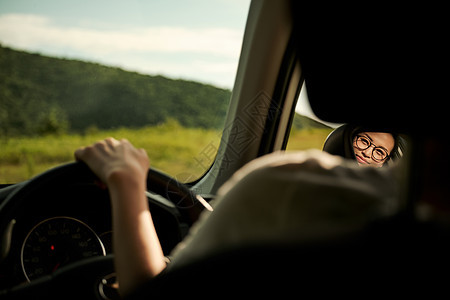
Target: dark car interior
[(330, 48)]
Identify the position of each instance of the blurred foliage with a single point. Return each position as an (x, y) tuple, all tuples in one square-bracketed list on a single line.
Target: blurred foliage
[(310, 138), (172, 148), (40, 95)]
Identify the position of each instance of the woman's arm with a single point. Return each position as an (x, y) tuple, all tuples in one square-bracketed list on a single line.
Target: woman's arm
[(123, 168)]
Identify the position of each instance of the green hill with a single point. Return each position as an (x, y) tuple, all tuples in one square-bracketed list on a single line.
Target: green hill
[(39, 93)]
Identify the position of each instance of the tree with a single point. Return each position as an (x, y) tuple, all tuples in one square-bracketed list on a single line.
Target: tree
[(53, 121)]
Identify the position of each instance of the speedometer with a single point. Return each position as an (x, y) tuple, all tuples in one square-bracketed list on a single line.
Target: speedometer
[(56, 242)]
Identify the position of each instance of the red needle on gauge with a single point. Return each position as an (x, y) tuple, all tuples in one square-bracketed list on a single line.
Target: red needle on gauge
[(56, 267), (52, 247)]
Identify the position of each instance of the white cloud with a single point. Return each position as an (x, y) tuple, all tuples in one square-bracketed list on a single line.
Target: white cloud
[(219, 46), (32, 30)]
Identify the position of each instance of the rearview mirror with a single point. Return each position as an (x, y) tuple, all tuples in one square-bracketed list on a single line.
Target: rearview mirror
[(366, 146)]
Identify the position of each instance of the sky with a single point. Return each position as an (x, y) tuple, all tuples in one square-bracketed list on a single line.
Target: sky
[(196, 40), (189, 39)]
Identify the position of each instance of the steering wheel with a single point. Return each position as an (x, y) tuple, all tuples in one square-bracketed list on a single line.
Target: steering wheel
[(81, 278)]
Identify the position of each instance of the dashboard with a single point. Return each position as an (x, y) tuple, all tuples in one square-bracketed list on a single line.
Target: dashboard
[(69, 223)]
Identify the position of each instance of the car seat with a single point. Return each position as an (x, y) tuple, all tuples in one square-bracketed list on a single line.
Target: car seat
[(323, 268)]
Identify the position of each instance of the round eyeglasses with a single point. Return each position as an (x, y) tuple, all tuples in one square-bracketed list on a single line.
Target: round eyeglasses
[(379, 154)]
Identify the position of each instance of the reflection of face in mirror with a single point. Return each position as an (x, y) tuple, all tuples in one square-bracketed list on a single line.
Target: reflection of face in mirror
[(373, 148), (366, 146)]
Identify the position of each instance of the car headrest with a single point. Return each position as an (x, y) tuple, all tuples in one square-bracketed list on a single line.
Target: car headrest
[(368, 65), (339, 142)]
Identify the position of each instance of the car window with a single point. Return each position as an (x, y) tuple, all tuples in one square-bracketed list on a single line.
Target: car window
[(307, 131), (159, 73)]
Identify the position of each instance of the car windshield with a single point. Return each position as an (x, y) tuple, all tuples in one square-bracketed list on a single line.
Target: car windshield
[(159, 73)]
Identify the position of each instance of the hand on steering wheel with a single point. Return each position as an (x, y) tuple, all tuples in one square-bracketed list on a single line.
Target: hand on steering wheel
[(53, 285)]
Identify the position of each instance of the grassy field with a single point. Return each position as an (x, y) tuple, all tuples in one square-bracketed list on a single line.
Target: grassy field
[(176, 150), (307, 139)]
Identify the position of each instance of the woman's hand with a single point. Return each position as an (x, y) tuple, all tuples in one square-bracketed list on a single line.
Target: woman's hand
[(123, 168), (111, 158)]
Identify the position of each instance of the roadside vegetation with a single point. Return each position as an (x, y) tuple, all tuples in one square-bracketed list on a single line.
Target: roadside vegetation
[(174, 149)]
